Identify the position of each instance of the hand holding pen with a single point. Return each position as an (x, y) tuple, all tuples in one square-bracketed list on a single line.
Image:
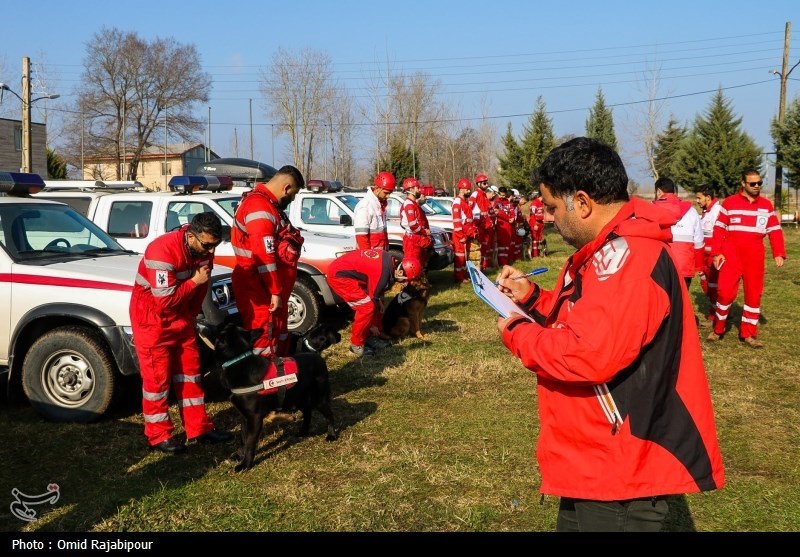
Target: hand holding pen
[(538, 271)]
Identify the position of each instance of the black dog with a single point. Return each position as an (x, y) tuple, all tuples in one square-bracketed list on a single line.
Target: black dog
[(316, 339), (243, 374)]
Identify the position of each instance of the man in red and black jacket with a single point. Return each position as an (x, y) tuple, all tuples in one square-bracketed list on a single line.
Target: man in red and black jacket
[(737, 249), (625, 411), (168, 293), (267, 249)]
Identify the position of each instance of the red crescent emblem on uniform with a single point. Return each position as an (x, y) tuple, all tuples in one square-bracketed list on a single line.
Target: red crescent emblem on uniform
[(372, 253)]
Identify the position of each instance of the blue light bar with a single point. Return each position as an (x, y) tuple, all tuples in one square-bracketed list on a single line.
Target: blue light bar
[(189, 184), (20, 183)]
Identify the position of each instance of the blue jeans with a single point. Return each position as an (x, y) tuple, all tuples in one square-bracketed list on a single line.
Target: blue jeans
[(635, 515)]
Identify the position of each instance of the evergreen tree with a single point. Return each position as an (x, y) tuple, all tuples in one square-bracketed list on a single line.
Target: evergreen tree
[(512, 163), (400, 161), (56, 167), (538, 138), (716, 150), (668, 144), (600, 124), (787, 142)]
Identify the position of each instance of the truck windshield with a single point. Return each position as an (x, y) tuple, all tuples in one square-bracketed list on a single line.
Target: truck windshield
[(43, 231)]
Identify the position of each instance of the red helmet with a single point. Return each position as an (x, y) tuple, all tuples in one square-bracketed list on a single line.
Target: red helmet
[(411, 268), (385, 180), (409, 183), (464, 184), (481, 178)]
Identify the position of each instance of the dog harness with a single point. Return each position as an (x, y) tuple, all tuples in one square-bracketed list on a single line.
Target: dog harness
[(281, 375)]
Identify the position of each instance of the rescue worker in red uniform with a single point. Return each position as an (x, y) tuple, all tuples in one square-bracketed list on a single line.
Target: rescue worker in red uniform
[(479, 206), (267, 249), (463, 231), (491, 195), (417, 238), (171, 282), (504, 231), (518, 229), (687, 234), (625, 412), (369, 214), (360, 278), (536, 223), (710, 206), (738, 251)]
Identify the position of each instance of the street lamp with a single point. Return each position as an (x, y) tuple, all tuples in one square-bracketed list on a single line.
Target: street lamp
[(784, 75), (164, 108), (27, 149)]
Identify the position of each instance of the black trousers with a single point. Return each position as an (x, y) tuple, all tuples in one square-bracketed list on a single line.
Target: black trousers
[(635, 515)]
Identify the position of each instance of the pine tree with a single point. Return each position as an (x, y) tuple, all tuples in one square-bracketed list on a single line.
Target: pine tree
[(400, 161), (56, 167), (668, 144), (538, 138), (512, 163), (716, 150), (787, 142), (600, 124)]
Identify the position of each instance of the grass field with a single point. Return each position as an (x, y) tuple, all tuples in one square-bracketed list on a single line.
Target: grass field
[(436, 436)]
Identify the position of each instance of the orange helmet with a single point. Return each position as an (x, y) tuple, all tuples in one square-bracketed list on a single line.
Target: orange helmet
[(409, 183), (411, 268), (481, 178), (385, 180), (464, 184)]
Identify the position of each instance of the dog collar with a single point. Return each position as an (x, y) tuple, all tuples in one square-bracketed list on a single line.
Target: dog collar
[(307, 345), (238, 358)]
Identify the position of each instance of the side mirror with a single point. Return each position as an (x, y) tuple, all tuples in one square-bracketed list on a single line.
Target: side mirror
[(345, 220)]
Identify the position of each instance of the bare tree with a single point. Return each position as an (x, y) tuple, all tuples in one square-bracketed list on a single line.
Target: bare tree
[(129, 89), (341, 131), (646, 121), (298, 90)]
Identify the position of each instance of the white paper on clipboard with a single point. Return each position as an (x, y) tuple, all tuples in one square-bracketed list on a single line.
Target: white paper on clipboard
[(487, 291)]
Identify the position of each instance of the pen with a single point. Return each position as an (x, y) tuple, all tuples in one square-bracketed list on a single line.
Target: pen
[(538, 271)]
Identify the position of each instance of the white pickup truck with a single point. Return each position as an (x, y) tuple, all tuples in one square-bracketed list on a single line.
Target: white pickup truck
[(65, 289), (136, 218)]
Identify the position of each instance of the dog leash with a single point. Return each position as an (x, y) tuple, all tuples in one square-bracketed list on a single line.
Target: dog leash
[(238, 358)]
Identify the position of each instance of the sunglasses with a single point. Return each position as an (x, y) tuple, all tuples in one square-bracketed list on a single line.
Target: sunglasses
[(482, 183), (208, 246), (754, 184)]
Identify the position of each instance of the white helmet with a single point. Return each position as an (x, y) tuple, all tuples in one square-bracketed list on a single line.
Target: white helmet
[(515, 193)]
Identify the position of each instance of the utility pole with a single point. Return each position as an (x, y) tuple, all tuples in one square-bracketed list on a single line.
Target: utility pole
[(251, 130), (27, 158), (781, 113)]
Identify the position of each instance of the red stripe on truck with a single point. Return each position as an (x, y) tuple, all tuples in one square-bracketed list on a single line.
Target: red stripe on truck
[(58, 281)]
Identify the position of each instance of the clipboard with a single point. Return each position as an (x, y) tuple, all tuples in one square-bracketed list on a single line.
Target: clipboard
[(487, 291)]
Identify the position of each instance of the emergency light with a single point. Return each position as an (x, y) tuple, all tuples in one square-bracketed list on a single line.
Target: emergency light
[(191, 184), (20, 183)]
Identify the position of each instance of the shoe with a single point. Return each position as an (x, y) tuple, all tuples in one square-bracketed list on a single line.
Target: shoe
[(377, 343), (169, 446), (713, 337), (216, 436), (361, 350), (753, 342)]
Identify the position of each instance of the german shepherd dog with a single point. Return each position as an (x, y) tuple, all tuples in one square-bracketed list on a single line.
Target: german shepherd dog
[(316, 339), (244, 373), (403, 314)]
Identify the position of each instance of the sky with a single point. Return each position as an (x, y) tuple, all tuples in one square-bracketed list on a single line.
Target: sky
[(492, 59)]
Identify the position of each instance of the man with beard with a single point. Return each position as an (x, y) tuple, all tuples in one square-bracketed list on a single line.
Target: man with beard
[(267, 248), (171, 283)]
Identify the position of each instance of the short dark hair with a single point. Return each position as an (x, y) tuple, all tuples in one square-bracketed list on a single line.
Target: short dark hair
[(502, 189), (707, 190), (747, 171), (665, 184), (207, 223), (292, 171), (585, 164)]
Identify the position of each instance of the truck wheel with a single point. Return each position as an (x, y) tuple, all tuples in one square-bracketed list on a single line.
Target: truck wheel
[(396, 253), (68, 376), (303, 308)]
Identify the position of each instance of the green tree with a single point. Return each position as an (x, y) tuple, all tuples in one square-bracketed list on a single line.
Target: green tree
[(716, 150), (538, 138), (512, 163), (56, 167), (600, 124), (400, 161), (787, 142), (668, 145)]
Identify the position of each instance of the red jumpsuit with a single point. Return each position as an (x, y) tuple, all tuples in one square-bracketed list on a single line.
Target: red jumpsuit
[(360, 278), (536, 222), (687, 235), (517, 223), (479, 206), (504, 230), (463, 231), (624, 405), (739, 236), (163, 309), (417, 238), (710, 276), (267, 248)]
